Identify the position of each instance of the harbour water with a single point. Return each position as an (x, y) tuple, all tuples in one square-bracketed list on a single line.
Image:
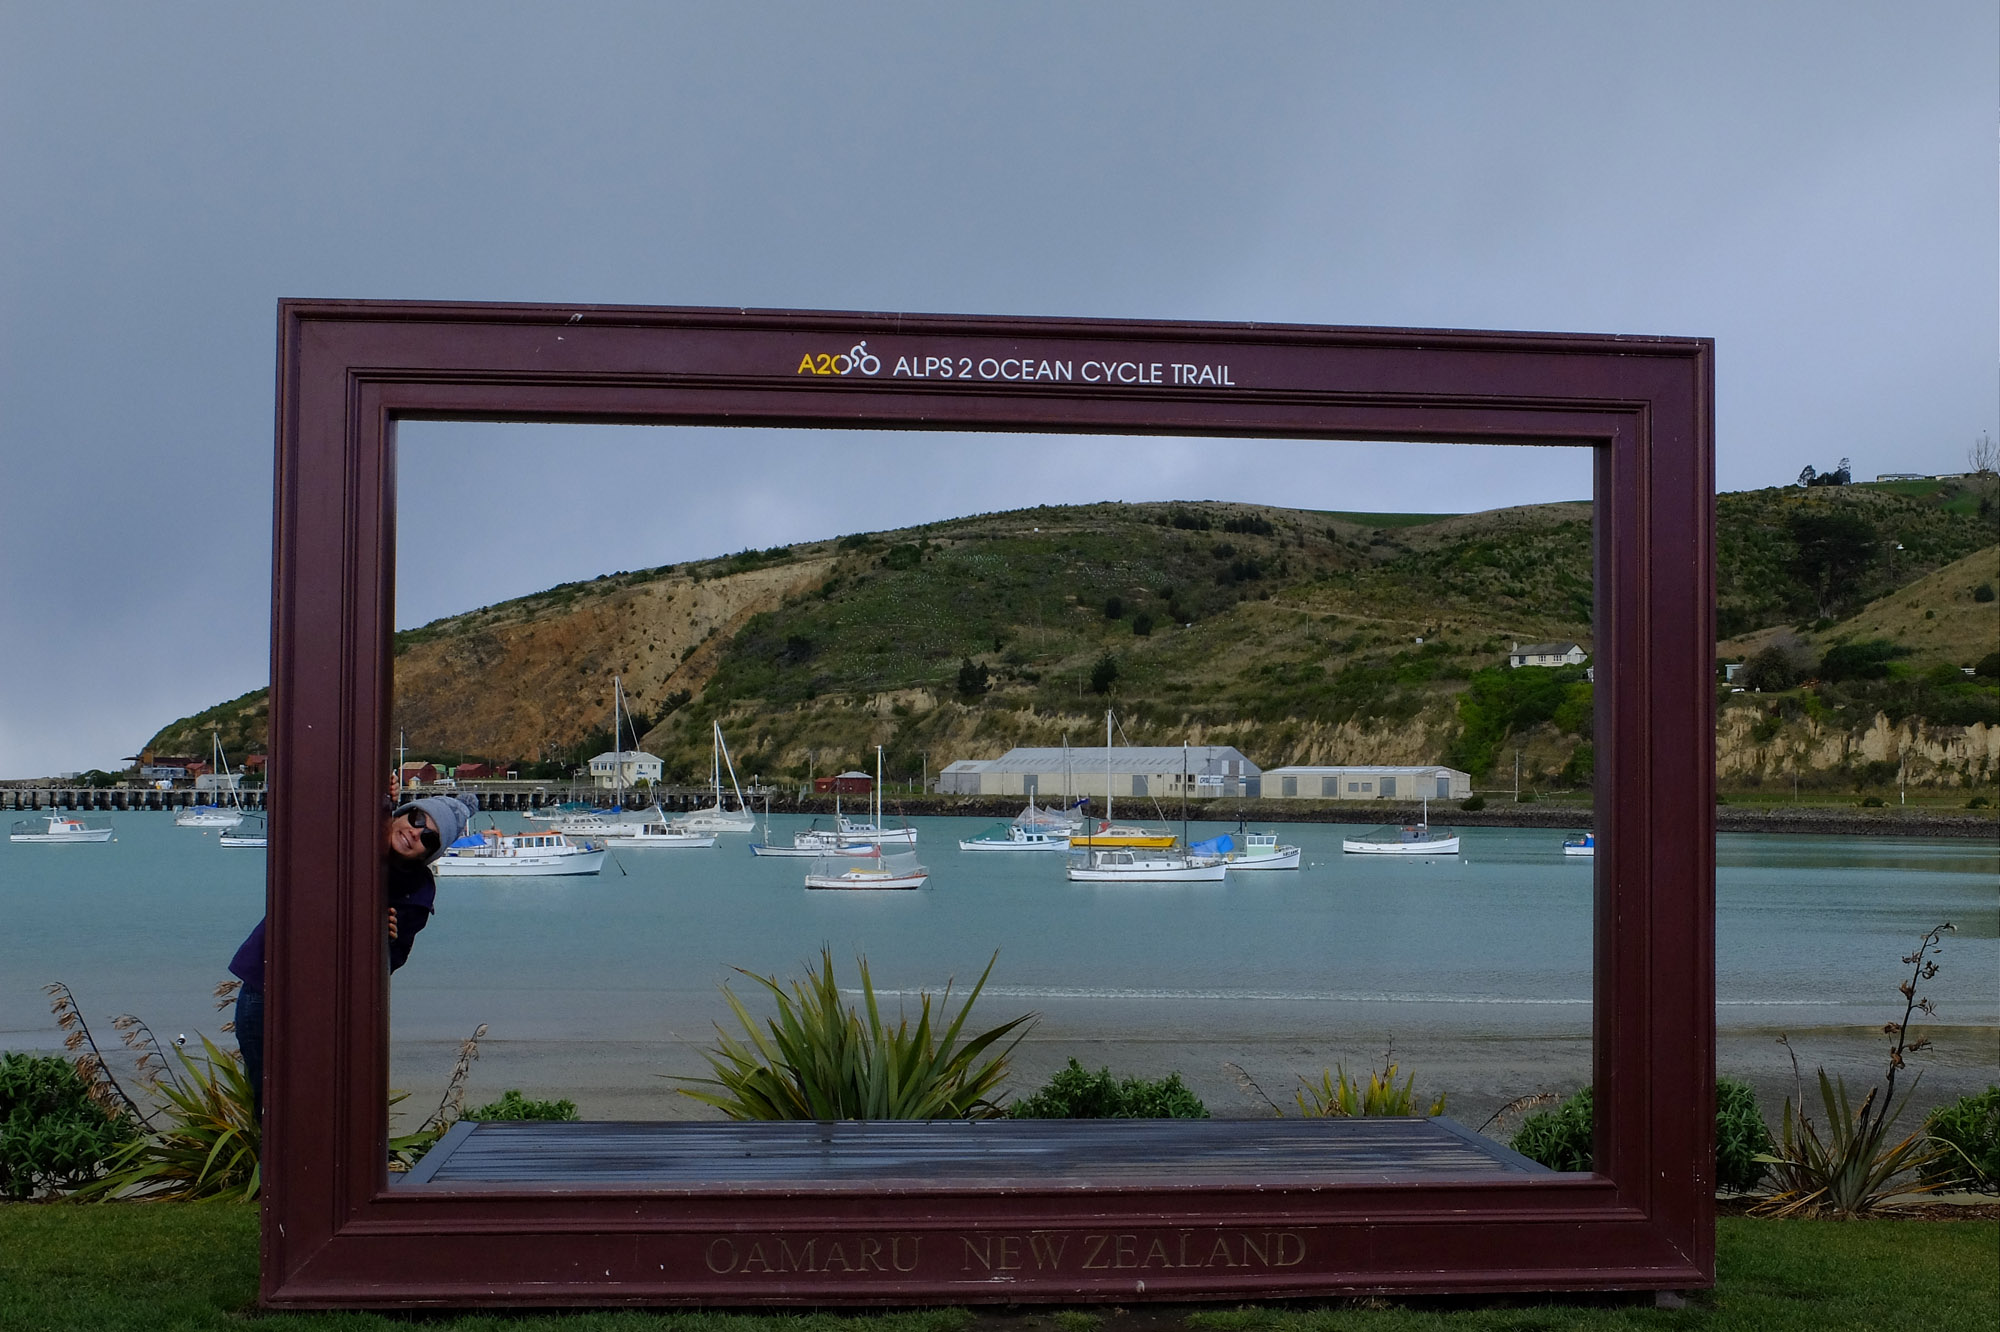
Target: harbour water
[(1476, 967)]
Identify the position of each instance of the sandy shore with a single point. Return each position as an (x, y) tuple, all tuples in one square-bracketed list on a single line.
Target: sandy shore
[(635, 1080)]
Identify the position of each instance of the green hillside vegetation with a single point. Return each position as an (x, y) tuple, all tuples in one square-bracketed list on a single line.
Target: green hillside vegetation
[(242, 723), (1801, 556), (1299, 636)]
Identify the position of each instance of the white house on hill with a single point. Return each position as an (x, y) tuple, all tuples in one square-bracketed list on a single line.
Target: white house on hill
[(624, 767), (1546, 654)]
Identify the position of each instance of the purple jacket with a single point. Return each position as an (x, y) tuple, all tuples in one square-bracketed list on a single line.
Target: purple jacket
[(412, 891)]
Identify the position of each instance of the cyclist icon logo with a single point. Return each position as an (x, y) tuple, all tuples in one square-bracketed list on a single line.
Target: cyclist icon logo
[(855, 359)]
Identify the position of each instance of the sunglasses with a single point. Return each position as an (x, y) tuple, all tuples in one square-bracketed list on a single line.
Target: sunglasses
[(432, 842)]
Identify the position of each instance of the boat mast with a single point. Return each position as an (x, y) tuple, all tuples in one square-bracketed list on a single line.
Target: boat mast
[(1184, 786), (1107, 766), (617, 747)]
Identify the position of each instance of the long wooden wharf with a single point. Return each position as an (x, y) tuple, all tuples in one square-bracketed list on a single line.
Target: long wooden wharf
[(493, 795)]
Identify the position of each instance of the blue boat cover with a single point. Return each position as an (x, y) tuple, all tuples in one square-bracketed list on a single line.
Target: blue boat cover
[(1214, 846)]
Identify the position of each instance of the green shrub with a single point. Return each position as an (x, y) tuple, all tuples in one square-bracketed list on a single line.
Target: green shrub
[(513, 1106), (819, 1059), (53, 1135), (1076, 1093), (1741, 1137), (1558, 1138), (1968, 1130), (1472, 804)]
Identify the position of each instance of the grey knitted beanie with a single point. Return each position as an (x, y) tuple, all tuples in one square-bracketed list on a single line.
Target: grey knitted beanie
[(451, 814)]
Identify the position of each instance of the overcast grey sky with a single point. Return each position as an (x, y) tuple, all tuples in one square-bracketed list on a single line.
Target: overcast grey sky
[(1813, 185)]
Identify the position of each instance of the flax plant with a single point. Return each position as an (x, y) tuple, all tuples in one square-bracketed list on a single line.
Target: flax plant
[(1854, 1169), (1336, 1095), (207, 1148), (820, 1059)]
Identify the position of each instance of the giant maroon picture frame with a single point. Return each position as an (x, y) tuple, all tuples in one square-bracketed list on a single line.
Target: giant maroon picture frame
[(334, 1231)]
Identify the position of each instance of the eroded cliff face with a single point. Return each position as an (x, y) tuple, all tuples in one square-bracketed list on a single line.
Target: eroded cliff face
[(1747, 747), (527, 688), (946, 729)]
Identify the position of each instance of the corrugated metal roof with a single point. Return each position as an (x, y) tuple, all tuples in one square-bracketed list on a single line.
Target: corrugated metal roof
[(1364, 770), (1125, 759)]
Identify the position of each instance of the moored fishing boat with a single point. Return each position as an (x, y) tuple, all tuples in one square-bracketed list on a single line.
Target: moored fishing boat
[(1146, 865), (252, 833), (1033, 829), (1411, 839), (813, 843), (1580, 844), (494, 854), (58, 830), (666, 836), (859, 831), (878, 871), (1260, 851), (1014, 837), (607, 823)]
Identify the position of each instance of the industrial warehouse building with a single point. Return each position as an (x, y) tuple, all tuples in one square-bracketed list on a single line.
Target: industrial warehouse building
[(1049, 775), (1366, 783)]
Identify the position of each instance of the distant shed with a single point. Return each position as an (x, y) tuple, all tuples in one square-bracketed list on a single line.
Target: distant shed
[(1133, 771), (844, 783), (1367, 782)]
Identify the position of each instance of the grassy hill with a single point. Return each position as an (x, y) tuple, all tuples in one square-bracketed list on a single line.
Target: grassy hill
[(1300, 636)]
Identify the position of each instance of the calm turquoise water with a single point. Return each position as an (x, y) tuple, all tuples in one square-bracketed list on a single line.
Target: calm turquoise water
[(1496, 940)]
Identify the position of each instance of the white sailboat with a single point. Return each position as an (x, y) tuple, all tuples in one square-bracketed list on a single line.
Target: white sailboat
[(1135, 862), (714, 818), (874, 869), (877, 871), (615, 820), (1108, 832), (216, 815), (873, 830), (816, 841)]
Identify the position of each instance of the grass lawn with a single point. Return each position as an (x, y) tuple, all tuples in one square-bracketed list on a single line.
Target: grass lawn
[(188, 1266)]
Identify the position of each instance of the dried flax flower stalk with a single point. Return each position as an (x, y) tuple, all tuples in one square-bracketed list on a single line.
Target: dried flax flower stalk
[(105, 1089), (451, 1107)]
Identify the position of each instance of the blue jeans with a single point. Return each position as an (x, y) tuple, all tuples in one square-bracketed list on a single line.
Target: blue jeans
[(250, 1040)]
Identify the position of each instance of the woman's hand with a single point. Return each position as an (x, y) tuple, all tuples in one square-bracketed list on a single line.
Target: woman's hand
[(392, 924)]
